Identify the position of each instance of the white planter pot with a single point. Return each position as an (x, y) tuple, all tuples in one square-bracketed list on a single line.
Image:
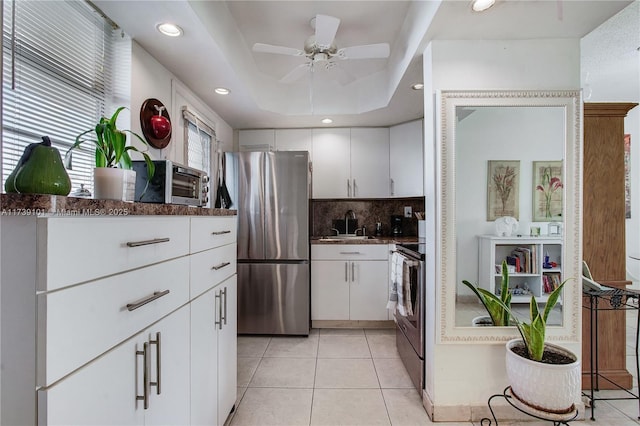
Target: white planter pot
[(551, 388), (114, 184)]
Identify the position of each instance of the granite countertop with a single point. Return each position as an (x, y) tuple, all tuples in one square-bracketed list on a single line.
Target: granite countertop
[(43, 204), (374, 240)]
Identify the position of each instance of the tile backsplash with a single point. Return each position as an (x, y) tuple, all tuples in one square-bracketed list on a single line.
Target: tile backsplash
[(368, 212)]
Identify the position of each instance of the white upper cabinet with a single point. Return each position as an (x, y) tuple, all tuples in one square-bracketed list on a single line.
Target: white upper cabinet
[(370, 162), (406, 159), (351, 163), (294, 140), (331, 163), (257, 140)]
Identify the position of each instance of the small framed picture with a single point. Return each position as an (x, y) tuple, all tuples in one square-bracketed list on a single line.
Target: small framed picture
[(554, 229)]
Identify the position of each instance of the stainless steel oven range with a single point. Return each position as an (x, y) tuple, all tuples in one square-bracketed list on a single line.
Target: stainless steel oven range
[(410, 328)]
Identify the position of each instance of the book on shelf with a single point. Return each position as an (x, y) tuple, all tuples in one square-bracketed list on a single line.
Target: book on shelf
[(550, 281)]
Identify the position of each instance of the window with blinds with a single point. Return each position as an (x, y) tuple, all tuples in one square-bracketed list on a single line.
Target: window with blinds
[(57, 78), (199, 137)]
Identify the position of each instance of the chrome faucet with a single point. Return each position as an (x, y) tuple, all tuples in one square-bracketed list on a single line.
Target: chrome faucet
[(346, 220), (337, 232)]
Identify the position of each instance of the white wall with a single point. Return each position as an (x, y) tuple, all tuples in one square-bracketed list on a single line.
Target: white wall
[(150, 79), (477, 65), (611, 73)]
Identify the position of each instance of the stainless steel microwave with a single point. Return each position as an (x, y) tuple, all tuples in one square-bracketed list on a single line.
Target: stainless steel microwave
[(171, 184)]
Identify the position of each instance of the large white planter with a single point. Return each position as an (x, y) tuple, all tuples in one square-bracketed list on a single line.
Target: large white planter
[(114, 184), (550, 388)]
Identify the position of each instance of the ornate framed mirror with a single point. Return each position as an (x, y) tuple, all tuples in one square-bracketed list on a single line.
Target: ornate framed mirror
[(482, 134)]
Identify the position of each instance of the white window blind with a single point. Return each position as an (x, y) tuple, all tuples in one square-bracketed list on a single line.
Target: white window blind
[(199, 137), (57, 77)]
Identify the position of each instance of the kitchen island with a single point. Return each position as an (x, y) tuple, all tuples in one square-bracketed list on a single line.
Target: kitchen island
[(115, 313)]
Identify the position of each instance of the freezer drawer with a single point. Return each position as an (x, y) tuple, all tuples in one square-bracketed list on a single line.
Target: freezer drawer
[(273, 298)]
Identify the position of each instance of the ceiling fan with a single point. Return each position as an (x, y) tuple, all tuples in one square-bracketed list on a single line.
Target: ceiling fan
[(320, 50)]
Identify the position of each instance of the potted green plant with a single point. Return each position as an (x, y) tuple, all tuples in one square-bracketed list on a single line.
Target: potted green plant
[(543, 376), (497, 307), (113, 177)]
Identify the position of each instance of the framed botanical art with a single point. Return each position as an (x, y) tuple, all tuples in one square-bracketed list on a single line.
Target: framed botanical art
[(547, 191), (503, 183)]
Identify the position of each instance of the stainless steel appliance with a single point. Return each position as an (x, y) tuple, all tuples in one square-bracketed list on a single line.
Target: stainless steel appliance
[(171, 184), (272, 193), (396, 225), (410, 329)]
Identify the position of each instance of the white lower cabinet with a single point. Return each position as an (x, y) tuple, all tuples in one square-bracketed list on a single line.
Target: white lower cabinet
[(355, 287), (115, 388), (214, 354)]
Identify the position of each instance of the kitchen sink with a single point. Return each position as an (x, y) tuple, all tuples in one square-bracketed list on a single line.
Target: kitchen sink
[(346, 237)]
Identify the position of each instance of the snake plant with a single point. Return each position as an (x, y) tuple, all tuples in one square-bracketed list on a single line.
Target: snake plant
[(497, 307)]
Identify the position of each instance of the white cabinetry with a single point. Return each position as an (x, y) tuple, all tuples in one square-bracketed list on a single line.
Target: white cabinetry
[(349, 282), (294, 140), (531, 276), (351, 163), (111, 342), (257, 140), (406, 159)]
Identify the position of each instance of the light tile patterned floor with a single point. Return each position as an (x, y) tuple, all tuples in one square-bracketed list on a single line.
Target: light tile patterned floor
[(355, 377)]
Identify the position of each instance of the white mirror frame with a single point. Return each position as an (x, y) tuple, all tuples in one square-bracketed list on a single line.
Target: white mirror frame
[(571, 103)]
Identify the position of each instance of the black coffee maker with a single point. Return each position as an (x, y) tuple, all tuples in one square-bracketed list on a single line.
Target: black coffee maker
[(396, 225)]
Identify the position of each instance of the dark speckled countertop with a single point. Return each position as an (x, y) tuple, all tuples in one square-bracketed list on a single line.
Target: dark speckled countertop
[(43, 204), (374, 240)]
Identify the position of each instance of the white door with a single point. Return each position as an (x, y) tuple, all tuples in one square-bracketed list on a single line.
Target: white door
[(370, 162), (169, 401), (330, 289), (103, 392), (406, 159), (204, 360), (369, 290), (331, 177), (227, 347)]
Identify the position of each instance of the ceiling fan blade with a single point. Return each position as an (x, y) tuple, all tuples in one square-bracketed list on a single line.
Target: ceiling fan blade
[(326, 29), (296, 73), (280, 50), (367, 51)]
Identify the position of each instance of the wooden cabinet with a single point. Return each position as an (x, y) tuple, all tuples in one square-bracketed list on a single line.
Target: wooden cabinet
[(257, 140), (351, 163), (349, 282), (604, 232), (406, 159), (120, 325), (531, 278)]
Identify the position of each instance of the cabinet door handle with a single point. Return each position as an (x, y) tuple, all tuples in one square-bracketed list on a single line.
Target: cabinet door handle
[(219, 310), (225, 306), (349, 252), (348, 188), (147, 242), (391, 186), (346, 272), (353, 271), (158, 368), (156, 295), (220, 232), (146, 384), (220, 266), (354, 188)]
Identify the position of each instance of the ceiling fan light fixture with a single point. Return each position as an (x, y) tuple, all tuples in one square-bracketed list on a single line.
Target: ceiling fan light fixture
[(168, 29), (222, 90), (417, 86), (327, 121), (481, 5)]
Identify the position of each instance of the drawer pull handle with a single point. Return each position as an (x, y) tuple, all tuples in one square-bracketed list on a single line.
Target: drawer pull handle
[(220, 266), (350, 252), (158, 370), (147, 242), (154, 296), (146, 385), (220, 232)]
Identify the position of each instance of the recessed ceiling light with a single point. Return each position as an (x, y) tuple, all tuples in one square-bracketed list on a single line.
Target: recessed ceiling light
[(171, 30), (221, 91), (481, 5), (327, 121), (417, 86)]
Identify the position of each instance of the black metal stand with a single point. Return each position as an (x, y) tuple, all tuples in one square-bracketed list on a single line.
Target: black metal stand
[(618, 299), (557, 419)]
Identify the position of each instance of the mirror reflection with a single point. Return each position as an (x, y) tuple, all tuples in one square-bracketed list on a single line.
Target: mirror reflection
[(509, 163)]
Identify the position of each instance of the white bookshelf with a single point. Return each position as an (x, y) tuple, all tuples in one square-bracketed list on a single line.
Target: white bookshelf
[(530, 279)]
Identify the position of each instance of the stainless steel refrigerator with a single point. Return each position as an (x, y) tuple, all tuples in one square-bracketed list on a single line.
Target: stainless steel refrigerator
[(270, 190)]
